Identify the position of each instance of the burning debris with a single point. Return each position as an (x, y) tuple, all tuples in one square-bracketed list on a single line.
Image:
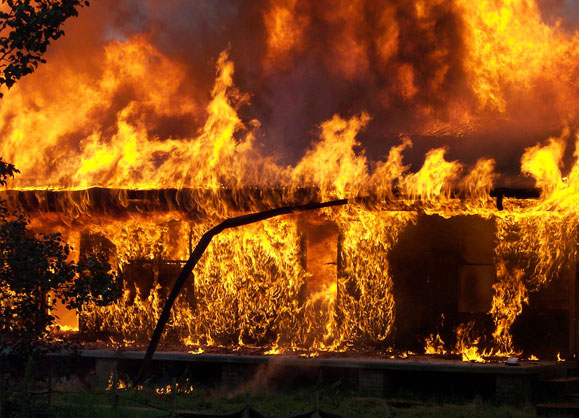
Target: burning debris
[(138, 156)]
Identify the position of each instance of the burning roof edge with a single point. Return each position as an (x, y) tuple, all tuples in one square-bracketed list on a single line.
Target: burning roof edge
[(204, 202)]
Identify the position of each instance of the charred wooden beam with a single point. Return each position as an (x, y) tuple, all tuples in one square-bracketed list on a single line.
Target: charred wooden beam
[(198, 203), (514, 193)]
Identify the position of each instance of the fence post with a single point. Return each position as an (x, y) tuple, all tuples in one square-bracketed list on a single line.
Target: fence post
[(174, 392), (317, 402), (115, 386), (1, 387), (386, 408), (49, 388)]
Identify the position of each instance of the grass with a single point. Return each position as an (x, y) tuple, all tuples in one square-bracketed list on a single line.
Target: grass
[(468, 410), (87, 399), (278, 403)]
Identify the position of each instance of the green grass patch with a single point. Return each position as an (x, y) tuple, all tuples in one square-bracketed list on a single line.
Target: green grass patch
[(80, 402)]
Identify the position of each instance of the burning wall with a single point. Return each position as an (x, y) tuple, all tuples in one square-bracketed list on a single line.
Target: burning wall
[(135, 108)]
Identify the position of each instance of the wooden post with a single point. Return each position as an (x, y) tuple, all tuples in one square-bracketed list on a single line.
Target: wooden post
[(340, 278), (194, 293), (190, 239)]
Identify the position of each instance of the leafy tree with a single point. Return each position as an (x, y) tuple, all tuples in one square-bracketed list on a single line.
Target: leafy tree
[(26, 29), (35, 273), (35, 270), (6, 170)]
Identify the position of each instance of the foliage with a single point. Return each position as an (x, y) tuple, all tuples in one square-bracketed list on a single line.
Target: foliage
[(26, 29), (35, 273), (6, 170)]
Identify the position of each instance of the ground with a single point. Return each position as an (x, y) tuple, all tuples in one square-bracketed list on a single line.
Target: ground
[(138, 403)]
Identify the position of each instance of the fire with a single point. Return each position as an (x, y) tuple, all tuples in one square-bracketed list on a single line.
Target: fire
[(129, 157), (121, 384), (143, 120), (467, 344), (434, 182), (285, 27), (511, 48), (273, 351), (366, 307), (332, 164), (545, 235), (169, 389), (434, 345), (68, 328), (510, 295)]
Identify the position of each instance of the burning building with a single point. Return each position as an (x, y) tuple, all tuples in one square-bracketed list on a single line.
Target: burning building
[(449, 125)]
